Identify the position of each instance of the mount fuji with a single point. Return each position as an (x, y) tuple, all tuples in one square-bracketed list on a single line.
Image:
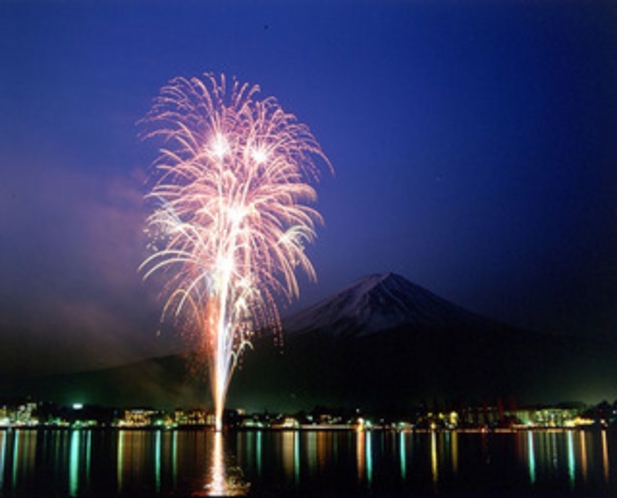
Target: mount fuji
[(376, 303)]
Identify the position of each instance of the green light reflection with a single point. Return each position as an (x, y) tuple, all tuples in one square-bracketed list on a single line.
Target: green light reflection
[(531, 457), (258, 451), (571, 464), (16, 441), (3, 438), (369, 458), (88, 452), (174, 458), (297, 456), (74, 463), (402, 454), (157, 461)]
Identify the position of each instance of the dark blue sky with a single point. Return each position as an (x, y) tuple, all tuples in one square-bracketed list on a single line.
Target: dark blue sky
[(474, 144)]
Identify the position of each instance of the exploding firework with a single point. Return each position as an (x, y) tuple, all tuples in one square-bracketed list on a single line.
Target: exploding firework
[(232, 214)]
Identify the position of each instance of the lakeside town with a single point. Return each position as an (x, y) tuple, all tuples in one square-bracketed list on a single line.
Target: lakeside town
[(29, 414)]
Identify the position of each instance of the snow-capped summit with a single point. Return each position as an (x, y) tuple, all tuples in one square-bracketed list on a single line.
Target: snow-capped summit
[(375, 303)]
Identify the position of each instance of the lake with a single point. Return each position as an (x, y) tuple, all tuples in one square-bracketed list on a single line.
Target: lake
[(198, 462)]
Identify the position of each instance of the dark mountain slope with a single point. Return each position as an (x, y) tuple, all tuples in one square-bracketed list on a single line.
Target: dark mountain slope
[(406, 366), (158, 382)]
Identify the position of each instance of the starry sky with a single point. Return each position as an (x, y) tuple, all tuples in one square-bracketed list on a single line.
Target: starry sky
[(474, 146)]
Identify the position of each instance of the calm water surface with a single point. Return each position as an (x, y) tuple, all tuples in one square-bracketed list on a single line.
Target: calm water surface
[(191, 462)]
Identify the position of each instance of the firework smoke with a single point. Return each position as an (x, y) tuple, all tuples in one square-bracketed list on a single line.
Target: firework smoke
[(232, 213)]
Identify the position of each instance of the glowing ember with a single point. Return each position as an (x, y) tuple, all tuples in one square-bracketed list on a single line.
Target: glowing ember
[(232, 213)]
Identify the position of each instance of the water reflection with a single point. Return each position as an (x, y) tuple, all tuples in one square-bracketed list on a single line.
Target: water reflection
[(222, 477), (15, 458), (258, 450), (24, 453), (605, 457), (291, 454), (3, 439), (79, 460), (434, 464), (174, 458), (128, 462), (312, 451), (583, 455), (369, 457), (531, 457), (402, 454), (454, 446), (571, 466), (157, 461), (567, 454), (360, 443), (74, 464), (361, 452), (120, 457), (216, 485)]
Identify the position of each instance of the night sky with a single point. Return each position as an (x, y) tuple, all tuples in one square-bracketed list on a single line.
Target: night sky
[(474, 147)]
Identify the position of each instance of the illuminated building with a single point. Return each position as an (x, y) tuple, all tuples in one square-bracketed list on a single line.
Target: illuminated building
[(195, 416), (24, 414), (137, 418), (288, 423), (4, 416)]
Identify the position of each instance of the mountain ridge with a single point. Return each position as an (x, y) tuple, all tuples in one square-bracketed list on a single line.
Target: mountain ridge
[(379, 302)]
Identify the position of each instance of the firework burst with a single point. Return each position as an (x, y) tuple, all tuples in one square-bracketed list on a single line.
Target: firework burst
[(232, 213)]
